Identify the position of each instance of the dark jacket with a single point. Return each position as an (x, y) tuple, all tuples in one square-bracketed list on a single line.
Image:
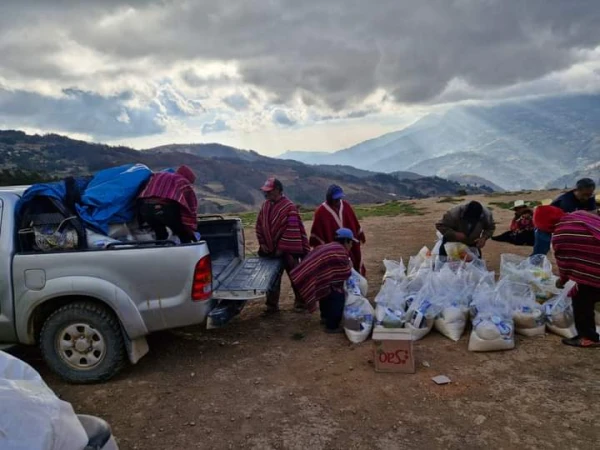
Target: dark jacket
[(453, 222)]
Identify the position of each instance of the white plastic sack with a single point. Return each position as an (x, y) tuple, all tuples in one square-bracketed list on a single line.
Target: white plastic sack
[(390, 309), (394, 270), (491, 333), (120, 232), (422, 311), (528, 315), (32, 417), (358, 283), (452, 321), (97, 240), (358, 318), (421, 261)]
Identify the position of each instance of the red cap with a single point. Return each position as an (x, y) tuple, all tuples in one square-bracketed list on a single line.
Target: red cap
[(271, 184)]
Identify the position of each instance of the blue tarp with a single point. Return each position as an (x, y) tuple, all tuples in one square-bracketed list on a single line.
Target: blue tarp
[(110, 196)]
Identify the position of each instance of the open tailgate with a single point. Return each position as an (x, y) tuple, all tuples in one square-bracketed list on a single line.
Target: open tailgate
[(251, 279)]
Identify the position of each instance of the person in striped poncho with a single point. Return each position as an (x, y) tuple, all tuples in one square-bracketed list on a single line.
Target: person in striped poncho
[(320, 278), (576, 245), (281, 234)]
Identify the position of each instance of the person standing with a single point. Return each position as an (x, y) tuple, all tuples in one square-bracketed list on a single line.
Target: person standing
[(333, 214), (576, 244), (281, 234), (579, 199), (471, 224), (169, 200), (320, 278)]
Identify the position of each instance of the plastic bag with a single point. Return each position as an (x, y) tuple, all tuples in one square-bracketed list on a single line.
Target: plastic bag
[(358, 318), (458, 251), (34, 417), (535, 271), (493, 325), (450, 290), (394, 270), (120, 232), (357, 284), (422, 311), (390, 310), (421, 261), (559, 313), (97, 240), (528, 315)]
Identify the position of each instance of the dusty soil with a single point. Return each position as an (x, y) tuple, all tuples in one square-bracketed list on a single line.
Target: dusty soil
[(252, 385)]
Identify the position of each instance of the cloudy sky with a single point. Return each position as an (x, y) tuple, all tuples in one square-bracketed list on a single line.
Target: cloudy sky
[(275, 75)]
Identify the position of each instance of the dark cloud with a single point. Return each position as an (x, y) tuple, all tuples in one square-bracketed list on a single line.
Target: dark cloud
[(334, 53), (80, 112)]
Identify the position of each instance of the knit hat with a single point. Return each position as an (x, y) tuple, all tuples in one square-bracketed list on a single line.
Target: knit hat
[(187, 173)]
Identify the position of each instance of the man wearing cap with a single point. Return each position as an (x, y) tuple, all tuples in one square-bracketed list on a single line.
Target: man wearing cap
[(471, 224), (521, 227), (169, 200), (579, 199), (281, 234), (320, 278), (336, 213)]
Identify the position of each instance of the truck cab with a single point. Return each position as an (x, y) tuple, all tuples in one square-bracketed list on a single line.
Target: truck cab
[(90, 310)]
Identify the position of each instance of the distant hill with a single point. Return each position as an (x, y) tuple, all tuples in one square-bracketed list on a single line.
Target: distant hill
[(523, 144), (228, 179), (474, 180), (592, 171)]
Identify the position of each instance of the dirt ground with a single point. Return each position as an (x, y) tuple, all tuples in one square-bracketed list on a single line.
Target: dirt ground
[(251, 385)]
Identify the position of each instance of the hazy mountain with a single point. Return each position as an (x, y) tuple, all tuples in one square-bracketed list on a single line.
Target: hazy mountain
[(592, 171), (228, 179), (515, 145)]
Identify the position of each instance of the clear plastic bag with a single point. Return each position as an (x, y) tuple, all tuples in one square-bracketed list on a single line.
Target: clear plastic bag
[(423, 310), (458, 251), (559, 313), (390, 309), (535, 271), (527, 314), (394, 270), (451, 292), (421, 261), (358, 318), (357, 284)]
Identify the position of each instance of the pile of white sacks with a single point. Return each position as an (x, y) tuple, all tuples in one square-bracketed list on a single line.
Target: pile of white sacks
[(447, 295)]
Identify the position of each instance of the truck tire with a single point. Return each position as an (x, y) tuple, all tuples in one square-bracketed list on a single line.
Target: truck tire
[(82, 342)]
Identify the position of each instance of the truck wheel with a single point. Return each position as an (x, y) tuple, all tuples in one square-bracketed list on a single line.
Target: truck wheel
[(82, 343)]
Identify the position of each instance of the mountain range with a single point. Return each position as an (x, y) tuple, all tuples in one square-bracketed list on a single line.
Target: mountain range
[(525, 144), (228, 179)]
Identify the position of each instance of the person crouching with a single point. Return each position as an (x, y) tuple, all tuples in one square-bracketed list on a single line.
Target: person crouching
[(320, 278), (169, 200)]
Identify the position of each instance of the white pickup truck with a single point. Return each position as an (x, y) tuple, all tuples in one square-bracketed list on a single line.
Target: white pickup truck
[(91, 310)]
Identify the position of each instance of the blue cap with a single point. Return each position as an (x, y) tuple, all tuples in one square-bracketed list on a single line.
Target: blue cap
[(345, 233), (335, 192)]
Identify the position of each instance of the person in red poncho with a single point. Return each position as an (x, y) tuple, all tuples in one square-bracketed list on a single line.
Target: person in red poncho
[(281, 234), (169, 200), (333, 214), (576, 245)]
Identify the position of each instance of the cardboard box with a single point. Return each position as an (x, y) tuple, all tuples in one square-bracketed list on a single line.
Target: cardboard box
[(393, 350)]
